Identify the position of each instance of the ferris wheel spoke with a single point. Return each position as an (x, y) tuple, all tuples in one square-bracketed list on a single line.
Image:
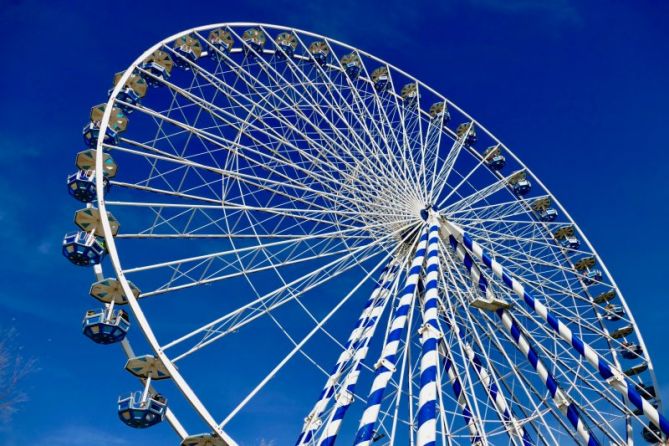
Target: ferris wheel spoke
[(486, 376), (405, 151), (497, 211), (465, 179), (442, 174), (424, 141), (564, 403), (275, 221), (434, 139), (386, 128), (269, 132), (283, 180), (343, 103), (283, 294), (298, 347), (552, 290), (413, 140), (385, 365), (534, 396), (304, 96), (476, 197), (611, 374), (249, 180), (343, 141), (535, 239), (207, 275), (358, 338), (292, 213), (278, 183), (260, 307)]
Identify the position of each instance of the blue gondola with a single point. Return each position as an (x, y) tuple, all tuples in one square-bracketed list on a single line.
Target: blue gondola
[(630, 350), (497, 162), (409, 94), (592, 276), (439, 111), (614, 312), (352, 65), (320, 51), (254, 39), (105, 328), (222, 41), (131, 93), (380, 79), (141, 413), (549, 214), (493, 157), (159, 65), (637, 369), (286, 44), (81, 185), (468, 128), (189, 48), (522, 187), (83, 249), (570, 242), (116, 124), (652, 434), (92, 130), (646, 391)]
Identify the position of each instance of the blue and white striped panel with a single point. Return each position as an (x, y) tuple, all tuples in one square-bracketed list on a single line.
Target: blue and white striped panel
[(429, 361), (312, 422), (610, 373), (560, 398), (385, 367), (345, 398)]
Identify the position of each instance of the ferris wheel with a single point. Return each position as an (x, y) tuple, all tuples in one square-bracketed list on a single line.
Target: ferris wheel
[(312, 241)]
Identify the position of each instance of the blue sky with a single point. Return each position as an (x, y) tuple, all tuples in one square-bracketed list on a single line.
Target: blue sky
[(578, 89)]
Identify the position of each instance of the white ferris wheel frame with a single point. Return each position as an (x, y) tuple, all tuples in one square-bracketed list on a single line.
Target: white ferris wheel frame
[(113, 254)]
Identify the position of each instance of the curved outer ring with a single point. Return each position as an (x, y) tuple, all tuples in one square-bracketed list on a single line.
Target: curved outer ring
[(134, 304)]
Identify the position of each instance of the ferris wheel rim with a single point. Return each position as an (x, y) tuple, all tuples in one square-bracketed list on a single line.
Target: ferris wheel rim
[(116, 260)]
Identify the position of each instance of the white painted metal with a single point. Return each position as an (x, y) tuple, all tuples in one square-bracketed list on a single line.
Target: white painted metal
[(414, 166)]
